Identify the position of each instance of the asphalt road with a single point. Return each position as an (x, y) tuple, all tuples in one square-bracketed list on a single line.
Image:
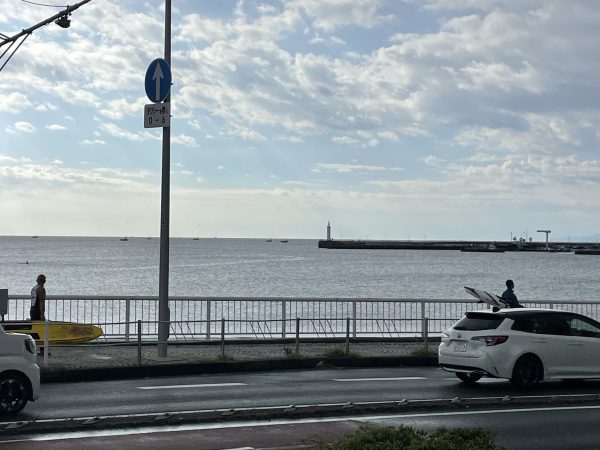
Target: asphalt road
[(243, 390), (552, 427)]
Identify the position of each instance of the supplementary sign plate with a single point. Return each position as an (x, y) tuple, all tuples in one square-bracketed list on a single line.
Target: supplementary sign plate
[(157, 115)]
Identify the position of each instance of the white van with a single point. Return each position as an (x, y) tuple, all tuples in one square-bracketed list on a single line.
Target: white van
[(19, 372)]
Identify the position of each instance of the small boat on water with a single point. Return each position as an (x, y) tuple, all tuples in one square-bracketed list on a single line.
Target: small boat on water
[(196, 239), (269, 240), (284, 241), (124, 238), (59, 332)]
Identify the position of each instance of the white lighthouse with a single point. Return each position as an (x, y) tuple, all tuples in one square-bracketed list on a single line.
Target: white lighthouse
[(328, 231)]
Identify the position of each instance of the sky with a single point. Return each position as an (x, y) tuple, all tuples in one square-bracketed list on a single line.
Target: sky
[(400, 119)]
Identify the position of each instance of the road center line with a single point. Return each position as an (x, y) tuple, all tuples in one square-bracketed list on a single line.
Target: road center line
[(191, 386), (380, 379)]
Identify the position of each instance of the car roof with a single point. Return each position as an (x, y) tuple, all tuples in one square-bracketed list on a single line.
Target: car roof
[(516, 313)]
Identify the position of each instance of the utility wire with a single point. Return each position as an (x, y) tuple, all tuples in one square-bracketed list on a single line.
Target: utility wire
[(13, 52), (60, 19), (43, 4)]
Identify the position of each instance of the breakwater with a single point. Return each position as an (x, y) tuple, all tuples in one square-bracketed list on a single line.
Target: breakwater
[(465, 246)]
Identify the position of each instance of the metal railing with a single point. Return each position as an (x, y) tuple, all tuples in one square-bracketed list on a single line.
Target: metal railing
[(199, 317)]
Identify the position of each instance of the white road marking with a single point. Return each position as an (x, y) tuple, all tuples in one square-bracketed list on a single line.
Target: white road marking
[(190, 386), (482, 380), (381, 379)]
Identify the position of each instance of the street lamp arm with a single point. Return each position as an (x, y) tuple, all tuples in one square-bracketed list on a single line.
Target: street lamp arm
[(28, 31)]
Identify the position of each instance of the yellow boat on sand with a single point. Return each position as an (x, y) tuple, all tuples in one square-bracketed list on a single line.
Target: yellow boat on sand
[(59, 332)]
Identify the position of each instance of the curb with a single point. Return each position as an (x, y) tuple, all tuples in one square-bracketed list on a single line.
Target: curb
[(289, 412), (53, 375)]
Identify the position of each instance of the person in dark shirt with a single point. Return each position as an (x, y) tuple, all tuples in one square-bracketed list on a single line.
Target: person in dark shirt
[(509, 295)]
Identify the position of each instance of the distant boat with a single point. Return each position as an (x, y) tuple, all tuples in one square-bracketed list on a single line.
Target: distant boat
[(269, 240), (34, 237), (124, 238), (196, 239), (148, 238), (284, 241)]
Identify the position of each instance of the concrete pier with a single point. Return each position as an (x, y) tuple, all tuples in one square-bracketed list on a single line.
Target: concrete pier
[(466, 246)]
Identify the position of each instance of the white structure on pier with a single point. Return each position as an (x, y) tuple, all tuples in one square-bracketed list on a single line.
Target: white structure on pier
[(547, 233), (328, 231)]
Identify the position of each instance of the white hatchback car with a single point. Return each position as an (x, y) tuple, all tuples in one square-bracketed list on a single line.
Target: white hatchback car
[(525, 345), (19, 372)]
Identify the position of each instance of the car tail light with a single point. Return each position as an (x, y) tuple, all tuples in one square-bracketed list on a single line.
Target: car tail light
[(491, 340)]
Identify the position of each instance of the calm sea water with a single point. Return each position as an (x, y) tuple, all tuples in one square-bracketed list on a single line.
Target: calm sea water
[(256, 268)]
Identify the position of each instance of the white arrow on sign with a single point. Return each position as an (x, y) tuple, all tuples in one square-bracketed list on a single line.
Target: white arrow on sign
[(158, 76)]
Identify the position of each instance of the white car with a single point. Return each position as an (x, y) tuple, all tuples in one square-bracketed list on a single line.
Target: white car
[(19, 372), (525, 345)]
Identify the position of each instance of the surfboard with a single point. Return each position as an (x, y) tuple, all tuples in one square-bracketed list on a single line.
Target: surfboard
[(491, 299), (59, 332)]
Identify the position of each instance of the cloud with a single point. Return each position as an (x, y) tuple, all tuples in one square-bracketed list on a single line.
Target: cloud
[(348, 168), (329, 15), (14, 102), (185, 140), (118, 132), (23, 127), (56, 127)]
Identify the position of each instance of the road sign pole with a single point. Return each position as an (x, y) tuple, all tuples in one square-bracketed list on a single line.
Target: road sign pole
[(163, 283)]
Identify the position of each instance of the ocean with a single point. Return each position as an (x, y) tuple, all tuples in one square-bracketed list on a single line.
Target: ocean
[(256, 268)]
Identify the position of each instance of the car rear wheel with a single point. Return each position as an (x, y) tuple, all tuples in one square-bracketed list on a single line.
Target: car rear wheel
[(528, 371), (468, 378), (13, 394)]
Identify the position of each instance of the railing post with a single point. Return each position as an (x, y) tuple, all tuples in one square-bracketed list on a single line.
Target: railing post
[(222, 337), (139, 342), (208, 323), (127, 318), (347, 336), (423, 320), (283, 315), (426, 335), (297, 336), (46, 342), (354, 319)]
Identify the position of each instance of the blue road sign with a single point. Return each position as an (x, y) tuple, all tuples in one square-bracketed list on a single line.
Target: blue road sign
[(158, 80)]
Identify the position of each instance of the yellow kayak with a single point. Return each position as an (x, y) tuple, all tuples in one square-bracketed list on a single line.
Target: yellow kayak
[(59, 332)]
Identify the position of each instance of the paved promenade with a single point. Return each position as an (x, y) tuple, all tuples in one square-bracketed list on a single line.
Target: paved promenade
[(119, 361)]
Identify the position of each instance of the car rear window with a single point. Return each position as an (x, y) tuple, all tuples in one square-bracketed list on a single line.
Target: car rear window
[(478, 322)]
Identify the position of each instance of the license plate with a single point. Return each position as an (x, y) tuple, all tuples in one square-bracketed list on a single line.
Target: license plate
[(460, 346)]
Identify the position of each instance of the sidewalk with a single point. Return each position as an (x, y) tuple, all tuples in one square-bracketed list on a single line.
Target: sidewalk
[(96, 362)]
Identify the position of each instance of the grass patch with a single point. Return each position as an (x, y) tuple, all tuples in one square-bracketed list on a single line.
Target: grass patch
[(402, 437)]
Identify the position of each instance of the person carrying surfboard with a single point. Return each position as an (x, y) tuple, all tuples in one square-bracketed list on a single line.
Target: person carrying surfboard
[(38, 299), (509, 295)]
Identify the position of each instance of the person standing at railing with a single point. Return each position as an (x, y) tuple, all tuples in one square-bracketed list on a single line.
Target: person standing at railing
[(38, 299), (509, 295)]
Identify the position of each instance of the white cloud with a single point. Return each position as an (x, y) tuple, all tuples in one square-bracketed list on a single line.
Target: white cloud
[(56, 127), (185, 140), (118, 132), (14, 102), (24, 127), (348, 168)]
